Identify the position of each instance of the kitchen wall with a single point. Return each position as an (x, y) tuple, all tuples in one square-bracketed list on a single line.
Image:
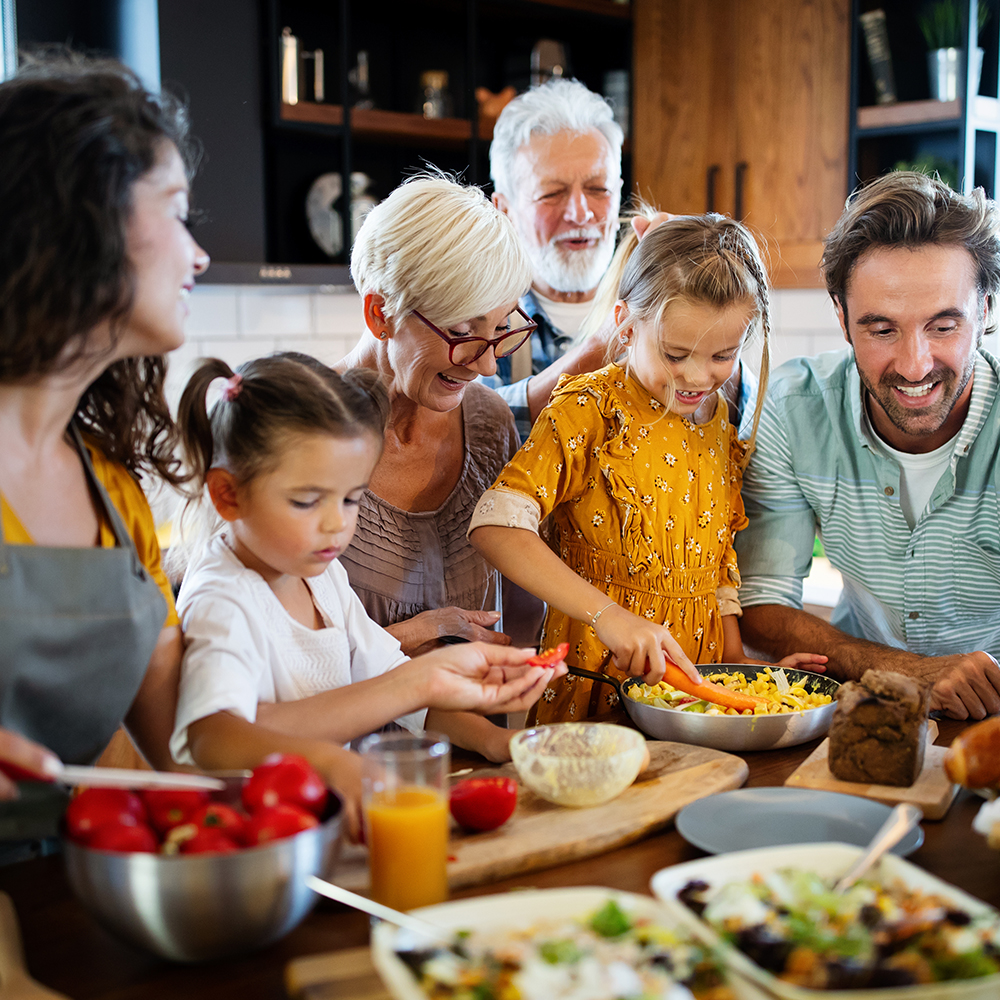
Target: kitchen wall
[(240, 322)]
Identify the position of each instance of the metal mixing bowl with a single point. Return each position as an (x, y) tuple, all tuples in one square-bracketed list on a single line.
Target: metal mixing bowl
[(731, 732), (578, 763), (195, 907)]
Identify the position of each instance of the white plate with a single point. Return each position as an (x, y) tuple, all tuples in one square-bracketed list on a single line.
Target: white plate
[(749, 980), (501, 912), (767, 817)]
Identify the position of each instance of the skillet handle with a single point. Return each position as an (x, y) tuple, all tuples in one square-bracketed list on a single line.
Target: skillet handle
[(592, 675)]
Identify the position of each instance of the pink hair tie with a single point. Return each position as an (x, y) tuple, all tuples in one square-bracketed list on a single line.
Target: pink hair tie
[(232, 389)]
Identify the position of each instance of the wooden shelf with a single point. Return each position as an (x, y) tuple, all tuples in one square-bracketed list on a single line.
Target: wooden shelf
[(985, 111), (907, 113), (393, 125), (606, 8)]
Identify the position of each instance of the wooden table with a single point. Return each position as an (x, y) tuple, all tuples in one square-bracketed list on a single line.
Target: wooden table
[(68, 951)]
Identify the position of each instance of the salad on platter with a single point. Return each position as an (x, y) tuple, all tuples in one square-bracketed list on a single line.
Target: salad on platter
[(874, 935), (606, 954)]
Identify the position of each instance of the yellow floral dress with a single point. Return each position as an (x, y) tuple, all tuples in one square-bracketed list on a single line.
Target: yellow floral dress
[(640, 502)]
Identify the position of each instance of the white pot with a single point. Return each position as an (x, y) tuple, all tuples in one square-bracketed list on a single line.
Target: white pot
[(945, 67)]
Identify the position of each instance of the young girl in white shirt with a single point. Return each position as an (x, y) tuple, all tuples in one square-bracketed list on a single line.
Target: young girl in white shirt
[(280, 654)]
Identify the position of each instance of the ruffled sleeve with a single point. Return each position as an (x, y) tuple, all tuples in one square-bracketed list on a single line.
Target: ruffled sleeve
[(550, 468)]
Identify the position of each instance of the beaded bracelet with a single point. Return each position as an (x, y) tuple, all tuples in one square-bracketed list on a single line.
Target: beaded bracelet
[(594, 617)]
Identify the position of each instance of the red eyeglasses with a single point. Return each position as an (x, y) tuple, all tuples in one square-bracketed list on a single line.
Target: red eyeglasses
[(464, 350)]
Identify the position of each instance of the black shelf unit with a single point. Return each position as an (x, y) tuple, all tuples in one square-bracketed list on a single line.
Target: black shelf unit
[(962, 133), (479, 43)]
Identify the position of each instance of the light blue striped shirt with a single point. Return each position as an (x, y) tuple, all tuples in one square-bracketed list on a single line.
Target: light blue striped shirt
[(933, 589)]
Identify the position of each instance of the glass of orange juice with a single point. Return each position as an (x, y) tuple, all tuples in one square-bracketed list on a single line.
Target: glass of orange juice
[(405, 797)]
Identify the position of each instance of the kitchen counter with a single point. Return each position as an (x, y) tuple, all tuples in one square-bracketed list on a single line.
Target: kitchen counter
[(68, 951)]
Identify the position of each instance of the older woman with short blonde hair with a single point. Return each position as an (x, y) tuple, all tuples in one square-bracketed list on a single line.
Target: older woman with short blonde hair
[(440, 271)]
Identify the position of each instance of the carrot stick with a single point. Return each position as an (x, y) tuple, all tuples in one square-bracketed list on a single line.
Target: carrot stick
[(707, 691)]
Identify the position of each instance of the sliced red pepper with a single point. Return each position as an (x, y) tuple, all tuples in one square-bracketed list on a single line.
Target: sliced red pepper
[(550, 657)]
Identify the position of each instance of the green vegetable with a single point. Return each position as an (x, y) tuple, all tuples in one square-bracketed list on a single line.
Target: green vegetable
[(968, 966), (560, 952), (610, 920)]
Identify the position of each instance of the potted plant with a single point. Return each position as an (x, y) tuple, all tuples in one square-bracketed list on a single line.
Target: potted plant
[(941, 23)]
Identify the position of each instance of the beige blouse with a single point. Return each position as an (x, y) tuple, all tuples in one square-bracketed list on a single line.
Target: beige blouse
[(401, 563)]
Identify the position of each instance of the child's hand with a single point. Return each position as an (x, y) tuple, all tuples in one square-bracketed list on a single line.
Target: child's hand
[(805, 661), (640, 646), (422, 633), (341, 770), (481, 677)]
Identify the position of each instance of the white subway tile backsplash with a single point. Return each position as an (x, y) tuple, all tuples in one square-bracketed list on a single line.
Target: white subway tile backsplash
[(829, 342), (274, 315), (329, 350), (805, 309), (339, 314), (788, 344), (213, 313)]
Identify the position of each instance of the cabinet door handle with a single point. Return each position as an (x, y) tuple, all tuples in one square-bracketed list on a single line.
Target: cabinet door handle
[(741, 170), (711, 175)]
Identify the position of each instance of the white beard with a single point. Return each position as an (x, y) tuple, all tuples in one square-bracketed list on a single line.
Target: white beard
[(573, 270)]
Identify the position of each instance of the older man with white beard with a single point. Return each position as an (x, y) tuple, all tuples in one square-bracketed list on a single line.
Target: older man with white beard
[(555, 162)]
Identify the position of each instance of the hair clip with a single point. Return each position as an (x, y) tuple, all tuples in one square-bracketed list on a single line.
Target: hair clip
[(232, 389)]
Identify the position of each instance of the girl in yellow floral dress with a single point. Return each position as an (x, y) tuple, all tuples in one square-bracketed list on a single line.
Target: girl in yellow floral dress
[(635, 470)]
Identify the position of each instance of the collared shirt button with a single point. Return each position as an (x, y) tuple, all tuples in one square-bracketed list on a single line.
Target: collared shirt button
[(914, 615), (889, 491)]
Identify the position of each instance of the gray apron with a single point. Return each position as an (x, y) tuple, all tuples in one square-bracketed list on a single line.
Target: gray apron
[(77, 630)]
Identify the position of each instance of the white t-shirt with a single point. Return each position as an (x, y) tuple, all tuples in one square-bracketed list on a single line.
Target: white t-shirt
[(242, 647), (567, 317), (918, 475)]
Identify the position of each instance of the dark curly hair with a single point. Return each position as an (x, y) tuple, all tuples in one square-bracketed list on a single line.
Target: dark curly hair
[(76, 134)]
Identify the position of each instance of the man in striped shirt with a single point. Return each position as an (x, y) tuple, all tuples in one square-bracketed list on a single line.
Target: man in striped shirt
[(891, 451)]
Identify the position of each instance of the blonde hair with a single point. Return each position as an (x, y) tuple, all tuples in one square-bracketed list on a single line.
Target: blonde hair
[(695, 258), (441, 248)]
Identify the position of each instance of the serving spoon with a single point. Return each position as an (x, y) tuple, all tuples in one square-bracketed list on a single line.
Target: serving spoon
[(900, 822), (369, 906)]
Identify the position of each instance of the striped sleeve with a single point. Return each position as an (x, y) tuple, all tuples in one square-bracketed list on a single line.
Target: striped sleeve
[(775, 549)]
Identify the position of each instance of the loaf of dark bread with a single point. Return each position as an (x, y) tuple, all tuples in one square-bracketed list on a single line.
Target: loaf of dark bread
[(879, 729)]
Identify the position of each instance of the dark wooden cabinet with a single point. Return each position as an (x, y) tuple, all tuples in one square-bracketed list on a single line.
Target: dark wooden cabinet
[(742, 107)]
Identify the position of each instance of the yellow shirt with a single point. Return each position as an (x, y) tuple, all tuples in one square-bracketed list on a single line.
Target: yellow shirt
[(641, 503), (131, 504)]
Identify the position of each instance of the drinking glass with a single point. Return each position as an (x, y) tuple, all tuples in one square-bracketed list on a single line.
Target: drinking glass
[(405, 798)]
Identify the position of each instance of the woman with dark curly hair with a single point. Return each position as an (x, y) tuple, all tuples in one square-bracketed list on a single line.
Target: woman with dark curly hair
[(96, 265)]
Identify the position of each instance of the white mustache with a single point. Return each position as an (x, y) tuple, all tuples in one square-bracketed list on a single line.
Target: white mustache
[(587, 233)]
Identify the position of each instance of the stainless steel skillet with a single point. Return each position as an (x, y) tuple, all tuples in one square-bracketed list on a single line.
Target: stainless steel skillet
[(729, 732)]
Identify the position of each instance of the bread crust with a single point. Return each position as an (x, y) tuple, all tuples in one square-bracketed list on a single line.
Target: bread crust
[(973, 760), (879, 729)]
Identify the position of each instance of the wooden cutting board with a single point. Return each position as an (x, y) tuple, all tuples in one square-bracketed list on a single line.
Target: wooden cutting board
[(335, 975), (932, 792), (541, 835)]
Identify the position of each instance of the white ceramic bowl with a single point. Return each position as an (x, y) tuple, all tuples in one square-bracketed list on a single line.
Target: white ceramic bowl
[(501, 913), (749, 980), (578, 763)]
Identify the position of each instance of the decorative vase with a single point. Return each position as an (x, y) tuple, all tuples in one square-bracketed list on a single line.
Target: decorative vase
[(945, 67)]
